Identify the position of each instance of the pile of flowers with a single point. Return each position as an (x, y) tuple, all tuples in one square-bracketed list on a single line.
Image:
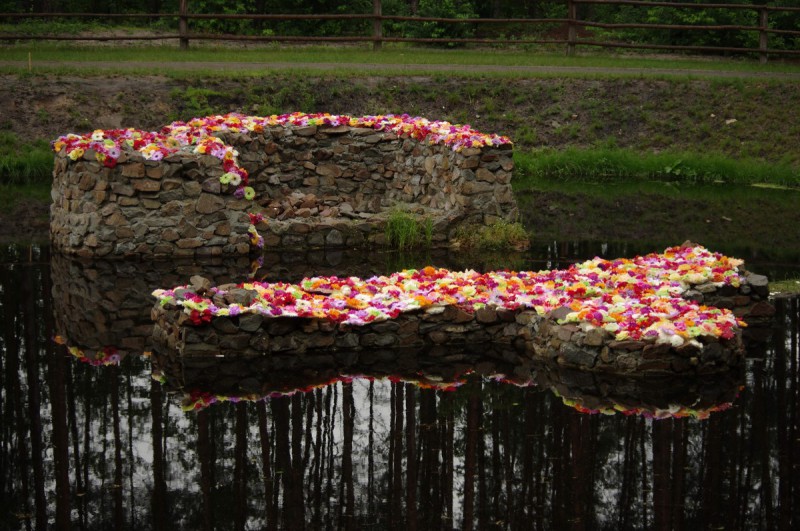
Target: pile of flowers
[(198, 135), (637, 298)]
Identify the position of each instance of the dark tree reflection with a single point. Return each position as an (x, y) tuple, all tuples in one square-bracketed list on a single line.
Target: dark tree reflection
[(87, 447)]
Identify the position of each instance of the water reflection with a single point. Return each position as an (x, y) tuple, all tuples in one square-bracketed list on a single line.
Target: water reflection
[(107, 447)]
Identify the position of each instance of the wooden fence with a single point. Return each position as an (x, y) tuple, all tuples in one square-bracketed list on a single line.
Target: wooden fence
[(572, 23)]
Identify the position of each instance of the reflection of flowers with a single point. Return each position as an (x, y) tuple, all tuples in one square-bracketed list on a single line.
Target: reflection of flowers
[(637, 298), (673, 411), (196, 400), (104, 357)]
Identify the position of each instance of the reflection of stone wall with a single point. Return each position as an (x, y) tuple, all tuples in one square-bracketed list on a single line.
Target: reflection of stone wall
[(435, 366), (664, 393), (319, 187), (106, 303)]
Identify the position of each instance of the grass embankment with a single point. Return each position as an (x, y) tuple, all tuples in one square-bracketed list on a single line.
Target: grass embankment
[(609, 164), (25, 170), (401, 55)]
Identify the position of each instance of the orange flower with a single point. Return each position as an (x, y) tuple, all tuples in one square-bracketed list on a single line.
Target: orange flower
[(355, 303), (422, 300)]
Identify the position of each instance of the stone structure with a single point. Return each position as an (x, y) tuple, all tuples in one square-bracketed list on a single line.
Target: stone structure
[(522, 334), (317, 187)]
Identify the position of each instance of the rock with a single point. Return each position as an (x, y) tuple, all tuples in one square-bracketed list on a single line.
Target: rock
[(486, 315), (573, 355), (208, 204), (758, 283)]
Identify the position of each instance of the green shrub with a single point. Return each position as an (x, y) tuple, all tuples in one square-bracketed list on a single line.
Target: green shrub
[(461, 9)]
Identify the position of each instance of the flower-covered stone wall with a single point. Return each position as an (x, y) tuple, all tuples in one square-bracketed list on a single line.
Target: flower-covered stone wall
[(307, 181), (625, 316)]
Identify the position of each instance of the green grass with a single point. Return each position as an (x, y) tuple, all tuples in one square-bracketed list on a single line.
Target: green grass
[(24, 162), (604, 165), (500, 235), (125, 57), (405, 231), (788, 286)]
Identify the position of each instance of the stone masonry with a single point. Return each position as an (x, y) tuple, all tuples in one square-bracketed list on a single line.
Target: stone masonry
[(317, 187), (522, 334)]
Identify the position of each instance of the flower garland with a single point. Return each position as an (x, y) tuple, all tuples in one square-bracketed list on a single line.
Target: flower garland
[(637, 299)]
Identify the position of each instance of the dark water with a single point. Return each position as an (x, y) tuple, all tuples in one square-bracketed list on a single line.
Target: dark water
[(88, 447)]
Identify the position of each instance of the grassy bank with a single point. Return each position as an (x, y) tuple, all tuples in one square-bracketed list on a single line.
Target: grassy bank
[(610, 164), (24, 162), (400, 55)]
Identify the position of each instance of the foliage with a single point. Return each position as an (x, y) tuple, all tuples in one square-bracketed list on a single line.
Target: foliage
[(460, 9), (195, 101), (500, 235), (463, 9), (404, 230), (788, 286), (22, 162)]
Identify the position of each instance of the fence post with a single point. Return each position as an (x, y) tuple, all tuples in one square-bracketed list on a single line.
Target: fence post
[(183, 24), (762, 35), (572, 32), (377, 25)]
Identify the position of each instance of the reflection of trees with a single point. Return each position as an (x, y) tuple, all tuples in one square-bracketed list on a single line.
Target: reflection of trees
[(108, 447)]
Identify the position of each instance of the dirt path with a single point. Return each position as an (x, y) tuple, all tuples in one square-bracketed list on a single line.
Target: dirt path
[(156, 67)]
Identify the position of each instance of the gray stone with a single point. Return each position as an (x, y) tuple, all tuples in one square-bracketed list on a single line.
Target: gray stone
[(334, 238), (209, 203)]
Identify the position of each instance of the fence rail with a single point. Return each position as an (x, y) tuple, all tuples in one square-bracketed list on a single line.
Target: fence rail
[(572, 23)]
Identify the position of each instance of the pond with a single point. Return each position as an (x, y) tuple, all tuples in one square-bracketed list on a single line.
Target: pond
[(398, 447)]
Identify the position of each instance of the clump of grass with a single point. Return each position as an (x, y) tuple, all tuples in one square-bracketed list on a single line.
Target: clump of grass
[(24, 162), (611, 164), (789, 286), (404, 230), (500, 235)]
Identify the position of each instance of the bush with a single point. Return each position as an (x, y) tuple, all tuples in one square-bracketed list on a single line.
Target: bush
[(461, 9)]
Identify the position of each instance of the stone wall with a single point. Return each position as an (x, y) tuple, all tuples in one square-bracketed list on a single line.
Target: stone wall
[(175, 207), (317, 187), (526, 334), (290, 341)]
